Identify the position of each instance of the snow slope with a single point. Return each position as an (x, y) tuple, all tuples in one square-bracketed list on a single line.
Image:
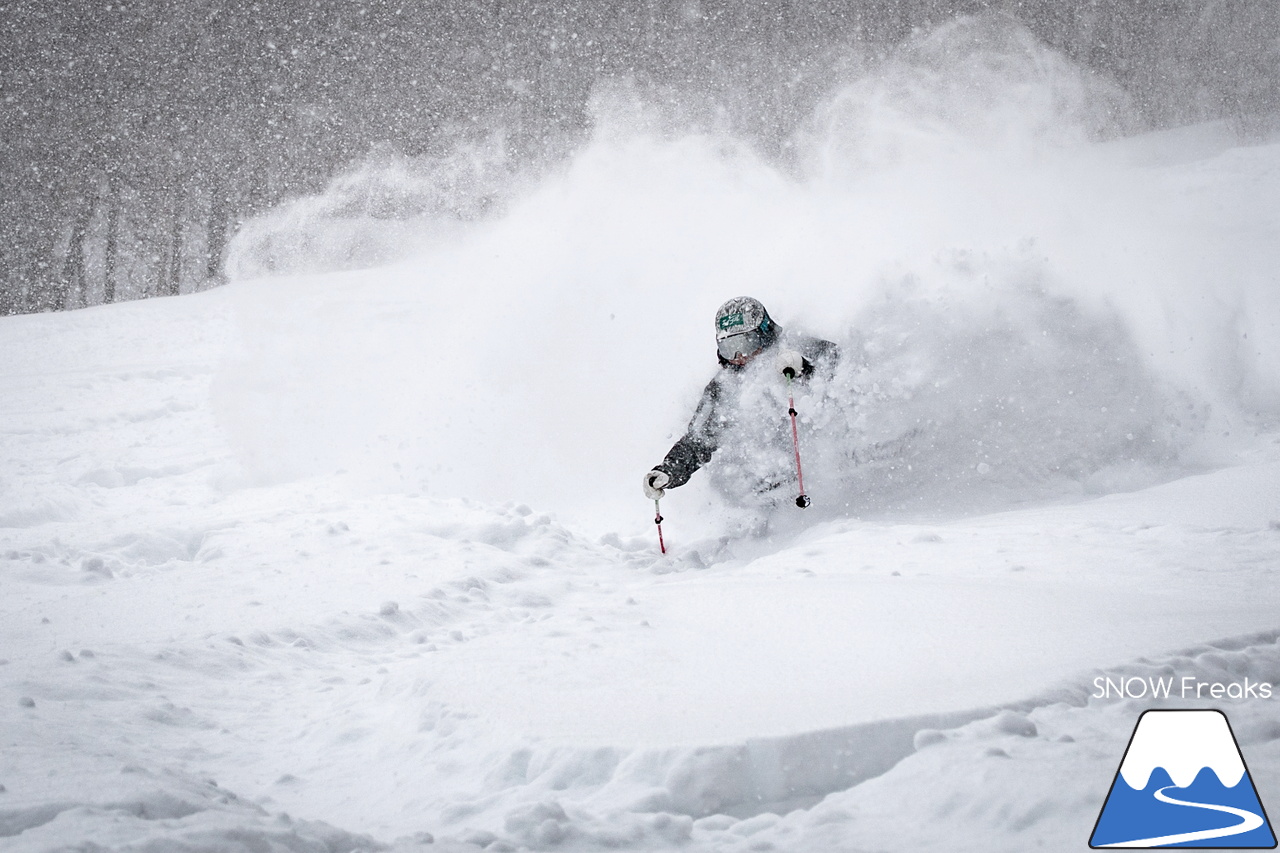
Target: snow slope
[(396, 664), (359, 560)]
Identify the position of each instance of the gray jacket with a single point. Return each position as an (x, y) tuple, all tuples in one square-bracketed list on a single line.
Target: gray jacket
[(708, 424)]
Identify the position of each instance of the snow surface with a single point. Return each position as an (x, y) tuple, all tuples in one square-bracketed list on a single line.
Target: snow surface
[(359, 560)]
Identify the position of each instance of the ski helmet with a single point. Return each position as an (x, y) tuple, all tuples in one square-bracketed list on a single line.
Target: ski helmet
[(743, 328)]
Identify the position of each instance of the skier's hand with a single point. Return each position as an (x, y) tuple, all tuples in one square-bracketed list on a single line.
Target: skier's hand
[(790, 363), (655, 483)]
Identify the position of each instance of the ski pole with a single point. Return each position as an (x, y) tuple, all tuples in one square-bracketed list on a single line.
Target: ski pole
[(657, 519), (803, 500)]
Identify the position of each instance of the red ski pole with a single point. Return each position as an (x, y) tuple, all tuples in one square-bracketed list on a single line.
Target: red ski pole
[(803, 500), (657, 519)]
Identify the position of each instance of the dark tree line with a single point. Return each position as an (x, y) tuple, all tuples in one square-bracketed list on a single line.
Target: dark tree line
[(136, 135)]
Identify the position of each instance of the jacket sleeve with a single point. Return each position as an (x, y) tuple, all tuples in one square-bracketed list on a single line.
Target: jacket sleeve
[(700, 440)]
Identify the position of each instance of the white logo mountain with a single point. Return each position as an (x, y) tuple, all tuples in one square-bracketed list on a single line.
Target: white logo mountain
[(1183, 743)]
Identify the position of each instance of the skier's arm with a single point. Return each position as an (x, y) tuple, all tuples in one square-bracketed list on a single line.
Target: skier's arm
[(686, 456), (699, 442)]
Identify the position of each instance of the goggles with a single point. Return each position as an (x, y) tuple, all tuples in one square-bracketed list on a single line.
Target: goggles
[(741, 345)]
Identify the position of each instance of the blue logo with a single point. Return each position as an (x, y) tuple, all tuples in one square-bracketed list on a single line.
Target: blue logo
[(1183, 783)]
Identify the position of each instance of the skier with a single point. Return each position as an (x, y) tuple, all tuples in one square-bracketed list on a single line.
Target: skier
[(743, 410)]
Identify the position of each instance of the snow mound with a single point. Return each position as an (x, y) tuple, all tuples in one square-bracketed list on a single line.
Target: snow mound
[(146, 810)]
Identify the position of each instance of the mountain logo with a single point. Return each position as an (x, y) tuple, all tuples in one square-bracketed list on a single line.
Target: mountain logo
[(1183, 783)]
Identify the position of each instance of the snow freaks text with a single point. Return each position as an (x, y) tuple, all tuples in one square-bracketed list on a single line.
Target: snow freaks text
[(1186, 687)]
